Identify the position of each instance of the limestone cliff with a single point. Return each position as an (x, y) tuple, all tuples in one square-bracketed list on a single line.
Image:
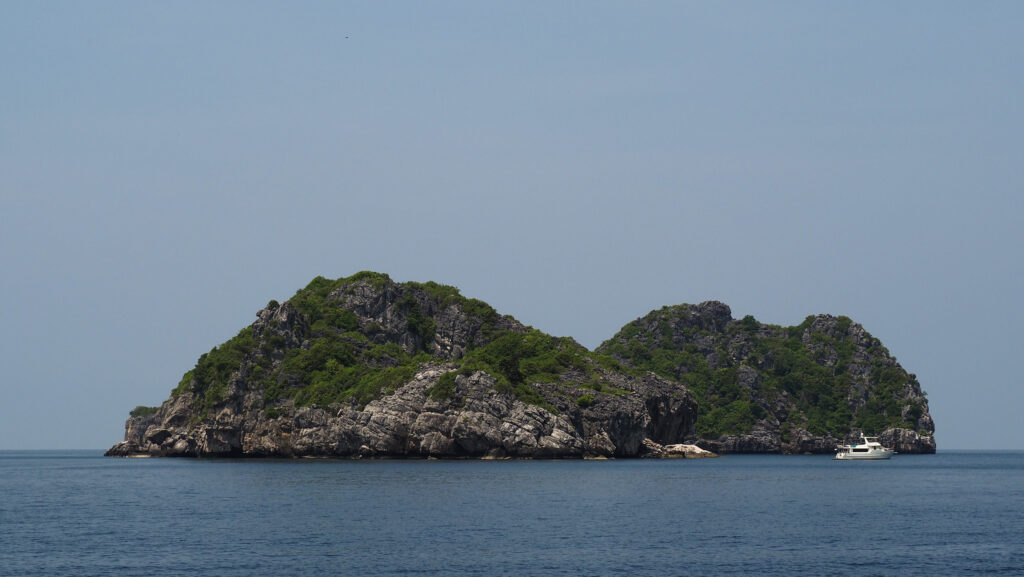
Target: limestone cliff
[(769, 389), (365, 366)]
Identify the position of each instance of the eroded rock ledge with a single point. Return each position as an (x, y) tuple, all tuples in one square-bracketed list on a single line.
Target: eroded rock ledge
[(366, 367), (477, 422)]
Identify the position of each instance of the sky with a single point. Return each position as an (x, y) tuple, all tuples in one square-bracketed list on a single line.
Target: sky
[(166, 169)]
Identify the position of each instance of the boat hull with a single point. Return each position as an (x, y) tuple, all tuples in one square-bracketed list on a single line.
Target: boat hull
[(876, 456), (869, 450)]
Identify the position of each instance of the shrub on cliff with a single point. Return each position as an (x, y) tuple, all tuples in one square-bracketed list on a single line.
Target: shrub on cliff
[(804, 371), (143, 411)]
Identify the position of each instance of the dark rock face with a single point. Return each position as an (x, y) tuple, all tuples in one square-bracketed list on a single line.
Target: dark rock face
[(476, 422), (590, 411), (247, 402), (904, 441), (756, 442), (778, 384)]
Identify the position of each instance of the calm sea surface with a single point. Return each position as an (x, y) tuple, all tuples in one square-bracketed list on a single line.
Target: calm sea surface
[(77, 513)]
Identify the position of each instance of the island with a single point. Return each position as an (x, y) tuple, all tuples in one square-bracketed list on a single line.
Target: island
[(366, 367)]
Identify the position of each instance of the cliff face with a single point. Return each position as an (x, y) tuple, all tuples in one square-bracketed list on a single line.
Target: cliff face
[(364, 366), (367, 367), (477, 421), (768, 389)]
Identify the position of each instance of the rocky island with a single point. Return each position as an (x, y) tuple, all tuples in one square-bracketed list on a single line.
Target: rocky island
[(768, 389), (367, 367)]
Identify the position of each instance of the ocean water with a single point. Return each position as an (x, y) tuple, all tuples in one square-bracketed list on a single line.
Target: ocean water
[(78, 513)]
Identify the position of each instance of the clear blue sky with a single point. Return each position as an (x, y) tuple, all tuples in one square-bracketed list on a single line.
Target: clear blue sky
[(168, 168)]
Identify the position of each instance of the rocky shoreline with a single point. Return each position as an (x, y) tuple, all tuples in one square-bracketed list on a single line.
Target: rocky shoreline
[(478, 422), (365, 367)]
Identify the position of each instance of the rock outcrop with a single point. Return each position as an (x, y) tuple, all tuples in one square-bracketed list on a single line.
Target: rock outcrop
[(443, 408), (652, 450), (770, 389), (477, 421), (366, 367)]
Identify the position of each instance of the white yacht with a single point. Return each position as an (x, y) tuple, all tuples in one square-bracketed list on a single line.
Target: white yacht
[(869, 449)]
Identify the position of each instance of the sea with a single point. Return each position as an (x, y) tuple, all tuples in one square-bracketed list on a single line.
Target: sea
[(78, 513)]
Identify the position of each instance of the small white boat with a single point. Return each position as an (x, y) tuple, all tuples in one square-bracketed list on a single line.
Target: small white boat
[(870, 449)]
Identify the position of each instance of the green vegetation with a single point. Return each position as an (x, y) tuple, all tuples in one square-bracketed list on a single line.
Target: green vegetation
[(208, 380), (340, 364), (446, 296), (419, 324), (734, 375), (322, 315), (884, 409), (750, 324), (444, 389), (518, 360), (814, 376), (735, 418), (339, 368), (360, 383), (143, 411), (346, 362), (819, 391), (376, 280)]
